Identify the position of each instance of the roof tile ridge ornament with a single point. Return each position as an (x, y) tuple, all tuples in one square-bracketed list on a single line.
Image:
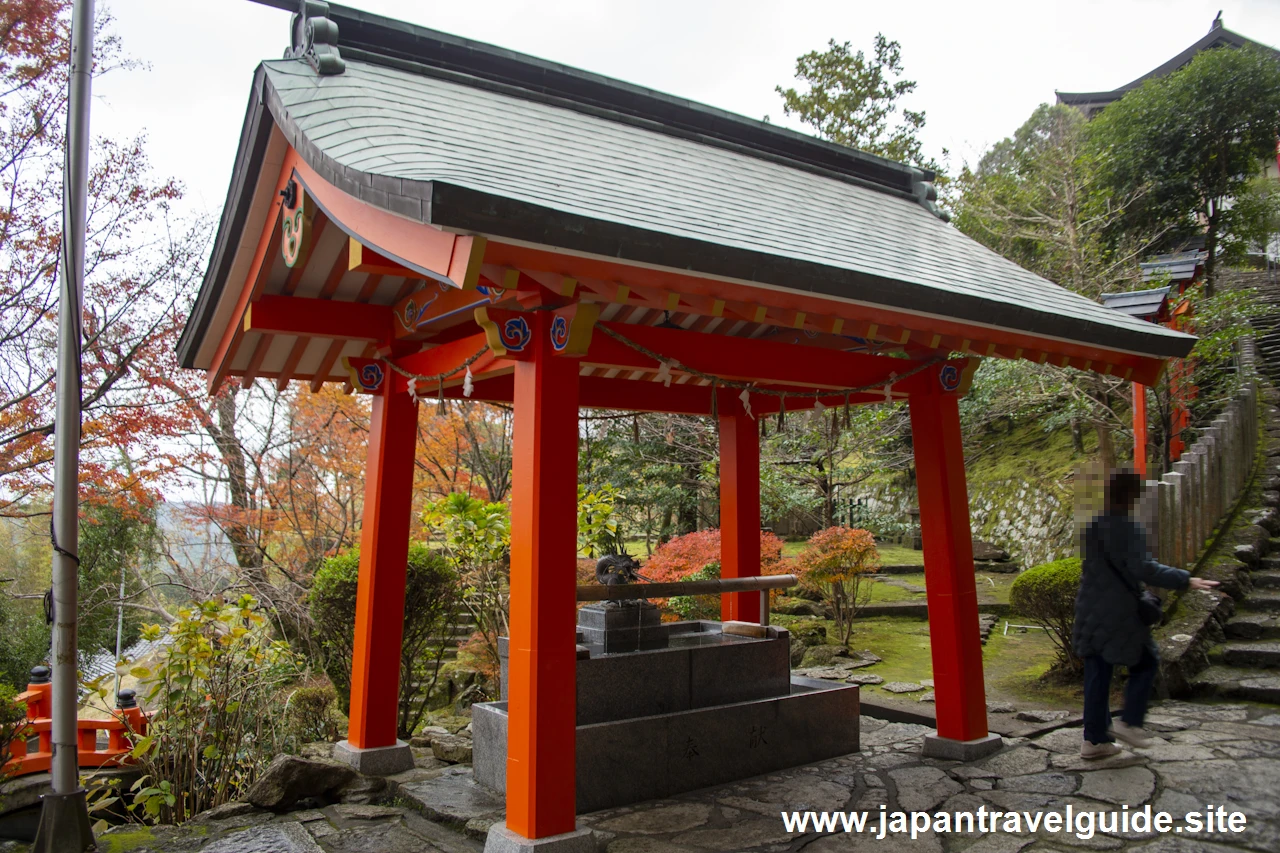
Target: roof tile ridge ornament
[(927, 194), (315, 38)]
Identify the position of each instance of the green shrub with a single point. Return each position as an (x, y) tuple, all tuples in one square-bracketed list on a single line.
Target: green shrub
[(430, 618), (311, 714), (1046, 594), (699, 606), (13, 720), (216, 721)]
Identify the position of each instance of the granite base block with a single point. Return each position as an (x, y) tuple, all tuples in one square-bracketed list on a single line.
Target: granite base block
[(611, 618), (645, 758), (615, 640), (503, 840), (960, 750), (376, 761)]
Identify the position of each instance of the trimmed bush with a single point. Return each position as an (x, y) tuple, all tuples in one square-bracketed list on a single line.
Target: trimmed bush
[(698, 606), (1046, 594), (430, 616)]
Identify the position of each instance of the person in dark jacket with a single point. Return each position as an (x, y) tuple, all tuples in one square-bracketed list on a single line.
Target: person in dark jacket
[(1108, 630)]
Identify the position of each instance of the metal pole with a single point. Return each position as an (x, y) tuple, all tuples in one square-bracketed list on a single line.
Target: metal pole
[(64, 819), (119, 626)]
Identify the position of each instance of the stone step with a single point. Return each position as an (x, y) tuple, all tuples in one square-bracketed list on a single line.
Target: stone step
[(1264, 601), (1267, 578), (1253, 626), (1258, 653), (1271, 563), (1231, 682)]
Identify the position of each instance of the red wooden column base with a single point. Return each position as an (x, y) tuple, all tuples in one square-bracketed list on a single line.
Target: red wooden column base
[(371, 744), (544, 533), (949, 580), (739, 513)]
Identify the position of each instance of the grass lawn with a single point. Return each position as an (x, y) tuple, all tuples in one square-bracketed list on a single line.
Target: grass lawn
[(890, 555), (1012, 664), (992, 588)]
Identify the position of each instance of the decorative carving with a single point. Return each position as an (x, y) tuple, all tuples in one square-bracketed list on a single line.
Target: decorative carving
[(949, 376), (572, 326), (507, 333), (315, 38), (295, 226), (410, 317), (367, 374), (612, 569)]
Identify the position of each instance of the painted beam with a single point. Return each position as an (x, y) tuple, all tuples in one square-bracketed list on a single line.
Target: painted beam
[(742, 359), (319, 318), (863, 320)]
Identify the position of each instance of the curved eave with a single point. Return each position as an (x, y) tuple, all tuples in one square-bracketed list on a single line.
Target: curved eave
[(268, 129)]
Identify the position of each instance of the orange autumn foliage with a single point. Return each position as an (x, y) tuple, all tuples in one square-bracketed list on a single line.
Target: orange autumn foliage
[(680, 557)]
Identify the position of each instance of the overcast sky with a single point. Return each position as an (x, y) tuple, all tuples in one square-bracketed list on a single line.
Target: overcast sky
[(982, 67)]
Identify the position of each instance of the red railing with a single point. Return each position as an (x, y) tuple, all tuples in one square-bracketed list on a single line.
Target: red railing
[(128, 723)]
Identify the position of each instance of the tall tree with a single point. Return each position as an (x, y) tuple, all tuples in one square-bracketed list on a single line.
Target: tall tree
[(1196, 138), (141, 268), (854, 100)]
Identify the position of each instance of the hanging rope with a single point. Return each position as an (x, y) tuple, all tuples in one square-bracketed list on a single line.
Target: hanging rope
[(438, 378), (667, 364)]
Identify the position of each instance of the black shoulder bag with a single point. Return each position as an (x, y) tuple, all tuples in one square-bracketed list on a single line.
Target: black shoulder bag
[(1150, 608)]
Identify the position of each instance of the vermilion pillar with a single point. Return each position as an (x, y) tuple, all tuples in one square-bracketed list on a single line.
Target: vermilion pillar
[(384, 550), (739, 513), (1140, 429), (544, 532), (948, 565)]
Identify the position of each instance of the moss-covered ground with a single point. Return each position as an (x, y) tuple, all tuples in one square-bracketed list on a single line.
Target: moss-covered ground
[(1013, 663)]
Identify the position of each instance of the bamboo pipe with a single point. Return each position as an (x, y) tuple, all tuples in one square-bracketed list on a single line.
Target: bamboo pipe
[(615, 592)]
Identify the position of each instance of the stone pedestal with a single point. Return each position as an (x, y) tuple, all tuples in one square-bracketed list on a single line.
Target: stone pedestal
[(629, 627), (960, 750), (377, 761), (503, 840)]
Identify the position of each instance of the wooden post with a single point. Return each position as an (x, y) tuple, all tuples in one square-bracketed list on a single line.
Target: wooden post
[(949, 575), (544, 532), (739, 513), (1140, 429), (384, 550)]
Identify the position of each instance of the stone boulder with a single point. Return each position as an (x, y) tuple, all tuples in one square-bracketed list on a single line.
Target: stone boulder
[(424, 737), (823, 655), (809, 635), (454, 749), (987, 553), (802, 607), (290, 778)]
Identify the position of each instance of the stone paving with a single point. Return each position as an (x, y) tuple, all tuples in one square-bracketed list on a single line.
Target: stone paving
[(1219, 754)]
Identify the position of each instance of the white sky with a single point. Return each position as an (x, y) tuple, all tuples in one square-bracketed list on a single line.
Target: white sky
[(982, 67)]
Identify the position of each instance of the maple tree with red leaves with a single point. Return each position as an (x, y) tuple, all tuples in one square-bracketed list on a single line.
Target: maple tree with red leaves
[(141, 267), (837, 561), (680, 557)]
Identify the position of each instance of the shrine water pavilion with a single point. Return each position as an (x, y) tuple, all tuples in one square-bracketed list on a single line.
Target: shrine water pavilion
[(418, 216)]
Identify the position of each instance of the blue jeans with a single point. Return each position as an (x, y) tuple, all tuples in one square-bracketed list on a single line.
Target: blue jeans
[(1097, 695)]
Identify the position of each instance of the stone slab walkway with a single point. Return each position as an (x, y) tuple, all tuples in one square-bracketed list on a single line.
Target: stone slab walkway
[(1219, 754)]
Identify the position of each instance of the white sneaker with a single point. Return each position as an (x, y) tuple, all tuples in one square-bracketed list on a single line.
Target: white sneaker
[(1088, 749), (1136, 736)]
